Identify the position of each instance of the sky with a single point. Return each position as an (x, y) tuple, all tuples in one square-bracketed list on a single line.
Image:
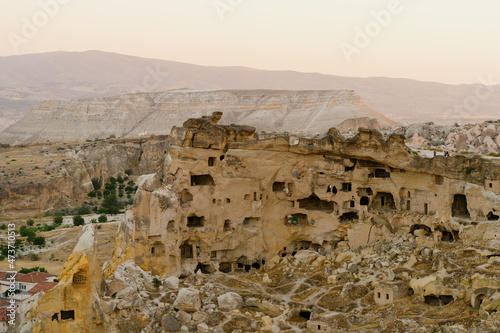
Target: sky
[(449, 41)]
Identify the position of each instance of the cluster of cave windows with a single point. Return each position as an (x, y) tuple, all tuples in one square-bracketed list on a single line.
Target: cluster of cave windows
[(80, 278)]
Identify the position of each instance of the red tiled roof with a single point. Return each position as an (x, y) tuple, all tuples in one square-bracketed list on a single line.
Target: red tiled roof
[(42, 287), (3, 275), (33, 277), (4, 303), (3, 314)]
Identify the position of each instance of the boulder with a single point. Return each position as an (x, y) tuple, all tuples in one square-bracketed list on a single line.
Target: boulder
[(172, 282), (169, 323), (188, 300), (230, 301)]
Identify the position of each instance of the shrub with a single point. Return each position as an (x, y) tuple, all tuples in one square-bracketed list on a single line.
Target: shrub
[(103, 218), (99, 194), (58, 219), (156, 282), (32, 269), (112, 180), (40, 240), (92, 194), (78, 220), (84, 210), (30, 222), (128, 172), (119, 179), (97, 183), (93, 221), (120, 194), (33, 256), (3, 226)]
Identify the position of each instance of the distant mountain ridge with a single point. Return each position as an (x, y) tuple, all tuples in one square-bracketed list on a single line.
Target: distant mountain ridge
[(156, 113), (26, 80)]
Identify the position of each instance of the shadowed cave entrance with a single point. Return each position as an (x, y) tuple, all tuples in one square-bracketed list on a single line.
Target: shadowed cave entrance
[(459, 207)]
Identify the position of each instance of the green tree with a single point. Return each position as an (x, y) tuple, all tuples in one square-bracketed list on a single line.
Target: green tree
[(40, 240), (30, 222), (84, 210), (58, 219), (78, 220), (128, 172), (103, 218), (109, 202), (97, 183)]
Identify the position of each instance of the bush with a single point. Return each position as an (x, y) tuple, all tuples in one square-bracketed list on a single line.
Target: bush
[(103, 218), (99, 194), (30, 222), (119, 179), (33, 256), (78, 220), (93, 221), (156, 282), (128, 172), (120, 194), (40, 240), (58, 219), (3, 226), (112, 180), (92, 194), (32, 269), (97, 183), (84, 210)]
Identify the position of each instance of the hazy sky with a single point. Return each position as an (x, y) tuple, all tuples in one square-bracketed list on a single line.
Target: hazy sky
[(451, 41)]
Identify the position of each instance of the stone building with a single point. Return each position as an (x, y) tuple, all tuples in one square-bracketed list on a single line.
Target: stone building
[(388, 292)]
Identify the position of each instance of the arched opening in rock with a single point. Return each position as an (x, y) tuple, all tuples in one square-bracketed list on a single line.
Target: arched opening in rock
[(447, 236), (415, 227), (364, 201), (384, 201), (211, 161), (479, 300), (459, 206), (315, 203), (202, 180), (227, 226), (205, 269), (256, 265), (349, 217), (431, 300)]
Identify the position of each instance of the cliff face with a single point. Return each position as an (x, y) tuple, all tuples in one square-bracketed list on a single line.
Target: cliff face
[(234, 200), (156, 113), (52, 176)]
